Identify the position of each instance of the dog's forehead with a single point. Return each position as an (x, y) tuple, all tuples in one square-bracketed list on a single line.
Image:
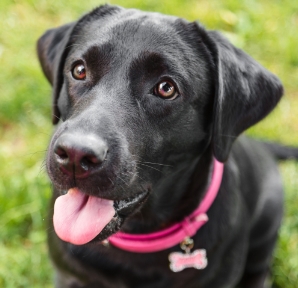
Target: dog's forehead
[(130, 29), (131, 21)]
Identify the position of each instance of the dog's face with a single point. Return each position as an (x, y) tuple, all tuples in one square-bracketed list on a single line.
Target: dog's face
[(141, 97)]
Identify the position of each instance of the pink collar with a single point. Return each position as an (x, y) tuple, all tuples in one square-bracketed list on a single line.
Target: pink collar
[(175, 234)]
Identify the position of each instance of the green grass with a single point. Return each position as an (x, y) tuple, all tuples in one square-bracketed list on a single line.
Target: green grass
[(266, 29)]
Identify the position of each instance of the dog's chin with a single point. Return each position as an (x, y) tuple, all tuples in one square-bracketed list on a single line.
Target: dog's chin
[(124, 209)]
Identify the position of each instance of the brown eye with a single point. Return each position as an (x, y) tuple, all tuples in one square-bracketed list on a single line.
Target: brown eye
[(79, 72), (166, 90)]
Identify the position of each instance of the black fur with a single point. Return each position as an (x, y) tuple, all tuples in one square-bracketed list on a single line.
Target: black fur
[(162, 148)]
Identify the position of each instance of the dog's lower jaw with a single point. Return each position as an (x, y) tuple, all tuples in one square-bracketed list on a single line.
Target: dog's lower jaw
[(123, 208), (111, 228)]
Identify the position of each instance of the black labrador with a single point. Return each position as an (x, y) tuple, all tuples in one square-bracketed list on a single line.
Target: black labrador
[(146, 103)]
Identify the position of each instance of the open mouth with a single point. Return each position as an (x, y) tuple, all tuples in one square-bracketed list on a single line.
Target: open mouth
[(80, 218)]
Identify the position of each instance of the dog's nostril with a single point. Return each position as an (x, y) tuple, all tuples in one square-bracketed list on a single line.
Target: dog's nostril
[(89, 161), (61, 153)]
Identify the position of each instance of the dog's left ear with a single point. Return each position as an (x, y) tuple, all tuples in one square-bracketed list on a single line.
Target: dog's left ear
[(51, 49), (245, 93)]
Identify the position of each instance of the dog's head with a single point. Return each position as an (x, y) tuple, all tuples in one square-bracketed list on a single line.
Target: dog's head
[(141, 97)]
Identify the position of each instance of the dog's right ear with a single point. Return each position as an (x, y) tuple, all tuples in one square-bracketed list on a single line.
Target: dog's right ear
[(51, 49)]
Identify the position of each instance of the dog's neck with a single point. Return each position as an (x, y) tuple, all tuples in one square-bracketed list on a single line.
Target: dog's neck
[(179, 197)]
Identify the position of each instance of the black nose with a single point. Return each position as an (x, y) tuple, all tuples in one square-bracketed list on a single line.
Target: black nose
[(79, 154)]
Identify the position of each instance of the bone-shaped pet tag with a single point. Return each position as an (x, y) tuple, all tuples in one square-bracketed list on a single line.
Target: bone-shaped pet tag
[(179, 261), (196, 259)]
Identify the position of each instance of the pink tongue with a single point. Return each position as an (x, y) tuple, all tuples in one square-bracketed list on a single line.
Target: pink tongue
[(78, 218)]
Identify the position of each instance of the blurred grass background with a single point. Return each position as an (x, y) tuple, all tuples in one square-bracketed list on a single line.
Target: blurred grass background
[(266, 29)]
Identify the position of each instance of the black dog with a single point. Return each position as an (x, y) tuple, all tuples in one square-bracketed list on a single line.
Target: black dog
[(146, 103)]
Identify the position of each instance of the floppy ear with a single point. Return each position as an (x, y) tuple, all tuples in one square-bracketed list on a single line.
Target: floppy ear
[(245, 93), (51, 49)]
